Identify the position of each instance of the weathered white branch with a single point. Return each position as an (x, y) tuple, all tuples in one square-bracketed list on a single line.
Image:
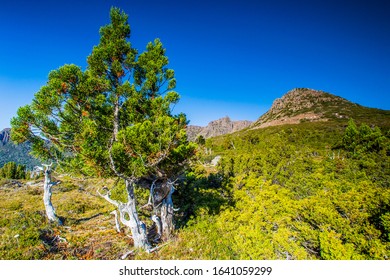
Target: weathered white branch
[(157, 247), (107, 197), (52, 184), (48, 166), (47, 193), (151, 197), (125, 255), (38, 168), (117, 226), (137, 227)]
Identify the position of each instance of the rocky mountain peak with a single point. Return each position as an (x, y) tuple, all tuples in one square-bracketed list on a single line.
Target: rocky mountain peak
[(215, 128), (5, 136), (303, 104), (302, 98)]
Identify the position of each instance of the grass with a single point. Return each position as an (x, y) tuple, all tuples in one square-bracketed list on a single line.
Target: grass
[(88, 231)]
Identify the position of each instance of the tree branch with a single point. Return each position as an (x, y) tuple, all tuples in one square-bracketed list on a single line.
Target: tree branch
[(107, 197), (117, 226)]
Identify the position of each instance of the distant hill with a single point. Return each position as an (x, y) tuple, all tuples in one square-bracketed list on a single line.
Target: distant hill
[(308, 105), (17, 153), (216, 128)]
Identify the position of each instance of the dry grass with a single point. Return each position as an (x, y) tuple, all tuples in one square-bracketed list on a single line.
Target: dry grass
[(88, 231)]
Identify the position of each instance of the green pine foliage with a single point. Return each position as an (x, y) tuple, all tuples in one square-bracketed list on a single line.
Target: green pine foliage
[(292, 192), (113, 119), (363, 139), (11, 170)]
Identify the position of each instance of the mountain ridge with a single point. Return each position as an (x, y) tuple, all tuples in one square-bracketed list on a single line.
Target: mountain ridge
[(217, 127)]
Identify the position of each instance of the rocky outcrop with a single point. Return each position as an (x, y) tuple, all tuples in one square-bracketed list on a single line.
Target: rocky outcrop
[(193, 131)]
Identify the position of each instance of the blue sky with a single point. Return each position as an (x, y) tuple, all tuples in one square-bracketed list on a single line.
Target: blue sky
[(230, 57)]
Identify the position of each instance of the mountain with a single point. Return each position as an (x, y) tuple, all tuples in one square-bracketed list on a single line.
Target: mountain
[(215, 128), (308, 105), (193, 131), (17, 153), (5, 136)]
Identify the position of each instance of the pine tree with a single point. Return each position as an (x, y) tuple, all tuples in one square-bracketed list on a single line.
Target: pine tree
[(350, 138), (11, 170), (114, 119)]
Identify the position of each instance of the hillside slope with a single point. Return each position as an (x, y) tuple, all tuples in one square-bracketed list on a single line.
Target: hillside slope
[(307, 105)]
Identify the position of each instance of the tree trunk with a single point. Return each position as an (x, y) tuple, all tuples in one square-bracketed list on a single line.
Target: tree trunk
[(137, 227), (128, 216), (116, 119), (167, 215), (47, 185), (117, 225)]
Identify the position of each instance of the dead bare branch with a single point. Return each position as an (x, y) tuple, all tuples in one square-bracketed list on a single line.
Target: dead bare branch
[(107, 197), (117, 226)]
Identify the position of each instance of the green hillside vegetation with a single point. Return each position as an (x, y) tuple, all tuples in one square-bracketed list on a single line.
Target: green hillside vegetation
[(308, 191), (297, 192)]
